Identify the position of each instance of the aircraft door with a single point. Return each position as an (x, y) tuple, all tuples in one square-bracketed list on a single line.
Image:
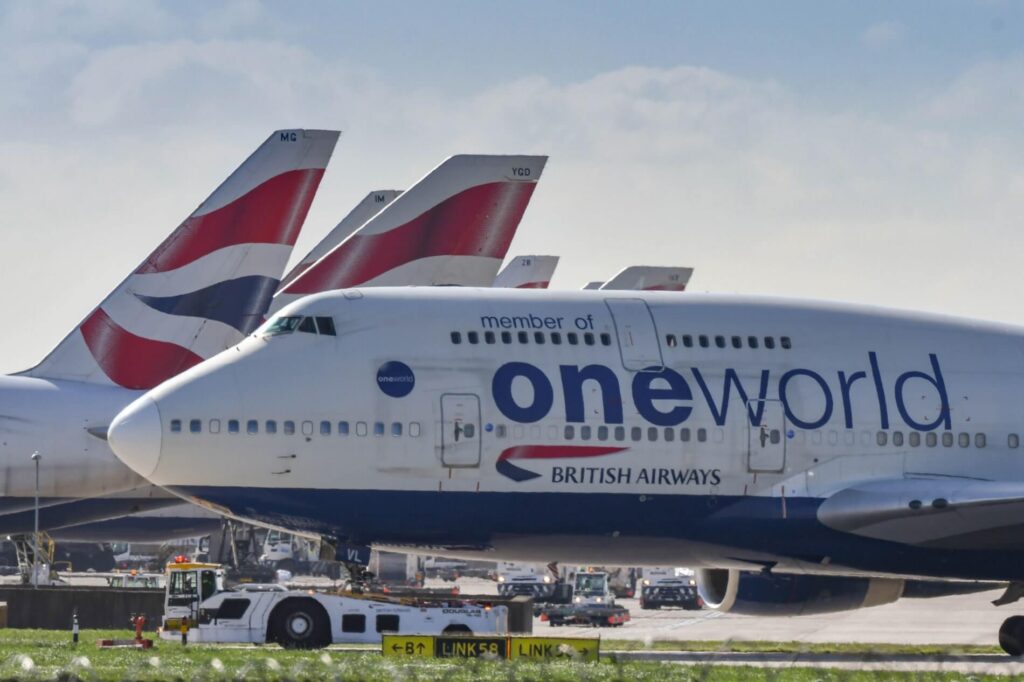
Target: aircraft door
[(460, 430), (638, 337), (766, 441)]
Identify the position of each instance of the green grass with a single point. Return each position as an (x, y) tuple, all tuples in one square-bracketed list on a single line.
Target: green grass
[(40, 654), (798, 647)]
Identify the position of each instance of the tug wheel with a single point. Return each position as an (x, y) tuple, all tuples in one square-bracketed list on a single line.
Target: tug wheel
[(300, 624)]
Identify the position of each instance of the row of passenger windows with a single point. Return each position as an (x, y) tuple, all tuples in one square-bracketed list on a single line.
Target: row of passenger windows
[(720, 341), (537, 338), (931, 439), (287, 427)]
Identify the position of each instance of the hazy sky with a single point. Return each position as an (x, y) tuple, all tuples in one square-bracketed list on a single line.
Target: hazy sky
[(868, 151)]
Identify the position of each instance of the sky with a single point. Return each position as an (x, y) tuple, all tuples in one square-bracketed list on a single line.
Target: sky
[(862, 151)]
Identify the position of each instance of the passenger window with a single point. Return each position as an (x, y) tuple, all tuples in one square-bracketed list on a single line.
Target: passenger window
[(506, 337), (342, 428), (602, 433), (703, 341), (1013, 440), (752, 341), (702, 435), (387, 622), (588, 338), (737, 342), (652, 433), (720, 341), (538, 338), (175, 426), (378, 428), (360, 428), (489, 337), (307, 428), (636, 433), (684, 434), (353, 622), (214, 426), (456, 338), (688, 340), (964, 440), (584, 433), (232, 426), (947, 439), (930, 439), (570, 432), (606, 339), (414, 429), (500, 431), (670, 434), (670, 340), (473, 337), (914, 439), (307, 325), (572, 338), (195, 425), (882, 438), (270, 426), (556, 338), (524, 337), (769, 342), (620, 433), (325, 325), (289, 428), (396, 428), (979, 440), (517, 431), (785, 342), (897, 438), (252, 426), (325, 428)]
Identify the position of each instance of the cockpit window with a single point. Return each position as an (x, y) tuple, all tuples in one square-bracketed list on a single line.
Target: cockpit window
[(307, 325), (326, 326), (283, 325)]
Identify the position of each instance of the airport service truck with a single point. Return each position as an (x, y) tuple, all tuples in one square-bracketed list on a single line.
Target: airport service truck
[(669, 587), (199, 607), (593, 603), (528, 580)]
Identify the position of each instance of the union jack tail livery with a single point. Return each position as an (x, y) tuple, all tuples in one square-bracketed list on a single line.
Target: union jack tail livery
[(453, 227), (210, 282), (648, 278), (364, 210), (527, 272)]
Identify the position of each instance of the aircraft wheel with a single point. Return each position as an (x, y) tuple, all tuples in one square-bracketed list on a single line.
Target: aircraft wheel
[(1011, 636), (300, 624)]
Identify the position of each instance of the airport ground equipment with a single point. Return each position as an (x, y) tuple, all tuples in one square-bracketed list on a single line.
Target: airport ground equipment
[(593, 603), (197, 602), (668, 587), (525, 579)]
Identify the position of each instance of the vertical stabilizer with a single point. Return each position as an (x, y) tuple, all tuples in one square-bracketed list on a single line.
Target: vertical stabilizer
[(453, 227), (210, 282), (649, 278), (527, 272)]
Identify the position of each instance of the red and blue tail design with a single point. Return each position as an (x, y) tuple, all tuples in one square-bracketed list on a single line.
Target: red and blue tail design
[(210, 282), (506, 468), (453, 227)]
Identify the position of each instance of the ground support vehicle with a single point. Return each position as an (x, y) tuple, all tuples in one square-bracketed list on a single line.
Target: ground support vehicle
[(526, 580), (197, 601), (593, 603), (669, 587)]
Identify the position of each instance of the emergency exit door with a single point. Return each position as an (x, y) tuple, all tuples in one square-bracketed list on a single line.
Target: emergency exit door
[(766, 441), (460, 430), (638, 337)]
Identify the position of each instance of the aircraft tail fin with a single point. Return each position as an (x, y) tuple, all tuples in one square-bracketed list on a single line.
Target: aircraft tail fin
[(527, 272), (210, 282), (649, 278), (453, 227)]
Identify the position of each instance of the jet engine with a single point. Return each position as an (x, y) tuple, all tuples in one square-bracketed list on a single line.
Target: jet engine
[(758, 594)]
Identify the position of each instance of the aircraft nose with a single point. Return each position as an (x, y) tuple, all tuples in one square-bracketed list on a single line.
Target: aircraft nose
[(136, 436)]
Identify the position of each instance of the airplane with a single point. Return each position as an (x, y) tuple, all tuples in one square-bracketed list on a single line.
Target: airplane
[(455, 226), (200, 292), (527, 272), (804, 456), (646, 278)]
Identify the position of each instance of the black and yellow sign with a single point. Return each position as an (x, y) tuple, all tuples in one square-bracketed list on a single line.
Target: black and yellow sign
[(458, 646), (547, 648)]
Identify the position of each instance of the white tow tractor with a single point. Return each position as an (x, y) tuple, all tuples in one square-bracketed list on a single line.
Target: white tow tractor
[(197, 600)]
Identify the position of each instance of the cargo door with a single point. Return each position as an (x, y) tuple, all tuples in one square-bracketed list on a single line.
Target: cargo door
[(766, 441), (638, 337), (460, 430)]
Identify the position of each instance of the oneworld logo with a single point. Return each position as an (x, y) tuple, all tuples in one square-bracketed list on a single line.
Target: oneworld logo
[(395, 379)]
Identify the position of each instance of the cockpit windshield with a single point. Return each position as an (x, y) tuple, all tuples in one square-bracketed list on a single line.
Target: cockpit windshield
[(322, 325)]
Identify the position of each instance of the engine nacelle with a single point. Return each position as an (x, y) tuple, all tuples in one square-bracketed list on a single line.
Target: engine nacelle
[(756, 594)]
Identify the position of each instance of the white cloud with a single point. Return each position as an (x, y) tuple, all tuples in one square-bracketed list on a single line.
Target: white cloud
[(883, 35)]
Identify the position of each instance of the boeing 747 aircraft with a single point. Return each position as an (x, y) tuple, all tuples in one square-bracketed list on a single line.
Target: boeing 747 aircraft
[(806, 456)]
